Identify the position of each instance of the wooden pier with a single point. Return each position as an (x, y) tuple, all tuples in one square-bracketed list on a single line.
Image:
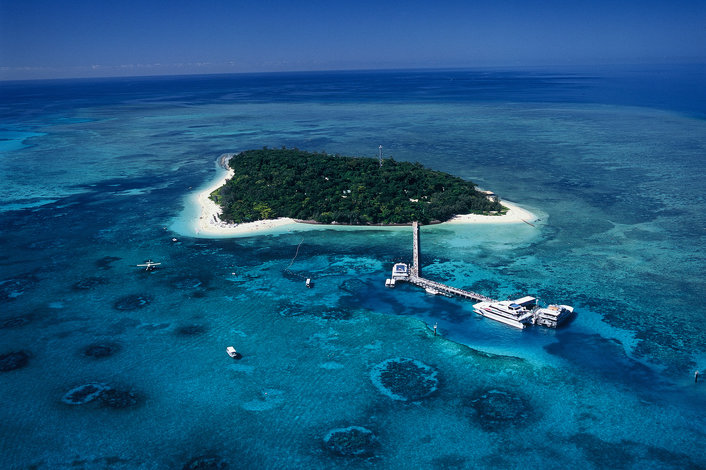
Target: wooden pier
[(413, 276), (415, 250), (517, 313), (448, 290)]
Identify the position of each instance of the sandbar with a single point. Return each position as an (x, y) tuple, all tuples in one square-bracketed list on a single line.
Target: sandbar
[(210, 225)]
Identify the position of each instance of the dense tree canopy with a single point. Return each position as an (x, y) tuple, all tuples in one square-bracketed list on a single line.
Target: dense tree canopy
[(271, 183)]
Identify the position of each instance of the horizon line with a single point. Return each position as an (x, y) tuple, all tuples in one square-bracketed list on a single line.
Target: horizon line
[(685, 63)]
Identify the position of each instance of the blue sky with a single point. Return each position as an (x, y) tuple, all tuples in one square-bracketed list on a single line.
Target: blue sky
[(52, 39)]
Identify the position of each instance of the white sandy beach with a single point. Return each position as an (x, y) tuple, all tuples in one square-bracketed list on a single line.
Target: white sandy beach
[(210, 225), (515, 214)]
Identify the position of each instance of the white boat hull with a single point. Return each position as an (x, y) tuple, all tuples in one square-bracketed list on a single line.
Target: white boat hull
[(502, 319)]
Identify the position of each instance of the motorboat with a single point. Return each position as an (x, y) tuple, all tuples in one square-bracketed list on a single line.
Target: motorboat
[(233, 353)]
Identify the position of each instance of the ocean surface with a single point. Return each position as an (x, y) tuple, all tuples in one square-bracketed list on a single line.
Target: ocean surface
[(107, 366)]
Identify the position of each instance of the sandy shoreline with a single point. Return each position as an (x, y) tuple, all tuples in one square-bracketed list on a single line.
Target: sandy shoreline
[(210, 225), (515, 214)]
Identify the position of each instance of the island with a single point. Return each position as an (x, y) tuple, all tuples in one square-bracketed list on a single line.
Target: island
[(203, 217), (322, 188)]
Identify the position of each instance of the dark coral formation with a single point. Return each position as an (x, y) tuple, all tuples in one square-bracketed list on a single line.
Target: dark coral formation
[(489, 287), (105, 262), (13, 288), (100, 350), (107, 396), (191, 330), (298, 277), (291, 309), (16, 322), (405, 379), (118, 399), (450, 461), (13, 360), (606, 454), (353, 286), (353, 441), (183, 283), (334, 314), (206, 462), (497, 409), (132, 302), (89, 283)]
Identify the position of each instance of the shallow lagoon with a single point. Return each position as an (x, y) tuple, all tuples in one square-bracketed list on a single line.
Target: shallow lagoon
[(94, 185)]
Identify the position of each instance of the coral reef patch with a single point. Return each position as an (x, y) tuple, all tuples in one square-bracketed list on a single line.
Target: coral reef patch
[(10, 289), (404, 379), (13, 360), (107, 396), (89, 283), (290, 309), (132, 302), (353, 286), (353, 441), (497, 409), (333, 313), (105, 262), (206, 462), (191, 330), (184, 283), (100, 350), (268, 399), (16, 322), (118, 399)]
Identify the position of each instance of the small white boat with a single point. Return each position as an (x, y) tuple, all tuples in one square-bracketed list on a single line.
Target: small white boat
[(232, 352), (432, 291), (308, 283)]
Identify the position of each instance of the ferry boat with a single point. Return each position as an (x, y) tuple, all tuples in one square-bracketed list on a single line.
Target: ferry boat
[(552, 316), (517, 313)]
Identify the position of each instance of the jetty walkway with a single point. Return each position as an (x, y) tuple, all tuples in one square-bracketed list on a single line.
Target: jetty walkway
[(412, 274)]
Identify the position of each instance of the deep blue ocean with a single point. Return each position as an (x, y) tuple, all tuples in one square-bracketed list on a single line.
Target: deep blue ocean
[(107, 366)]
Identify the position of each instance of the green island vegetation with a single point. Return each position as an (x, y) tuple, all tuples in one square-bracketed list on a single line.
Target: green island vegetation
[(271, 183)]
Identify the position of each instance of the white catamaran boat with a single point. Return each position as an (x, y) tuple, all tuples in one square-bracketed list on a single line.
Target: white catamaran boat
[(517, 313), (552, 316)]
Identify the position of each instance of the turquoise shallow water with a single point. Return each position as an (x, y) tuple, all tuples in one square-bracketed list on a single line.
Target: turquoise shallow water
[(95, 177)]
